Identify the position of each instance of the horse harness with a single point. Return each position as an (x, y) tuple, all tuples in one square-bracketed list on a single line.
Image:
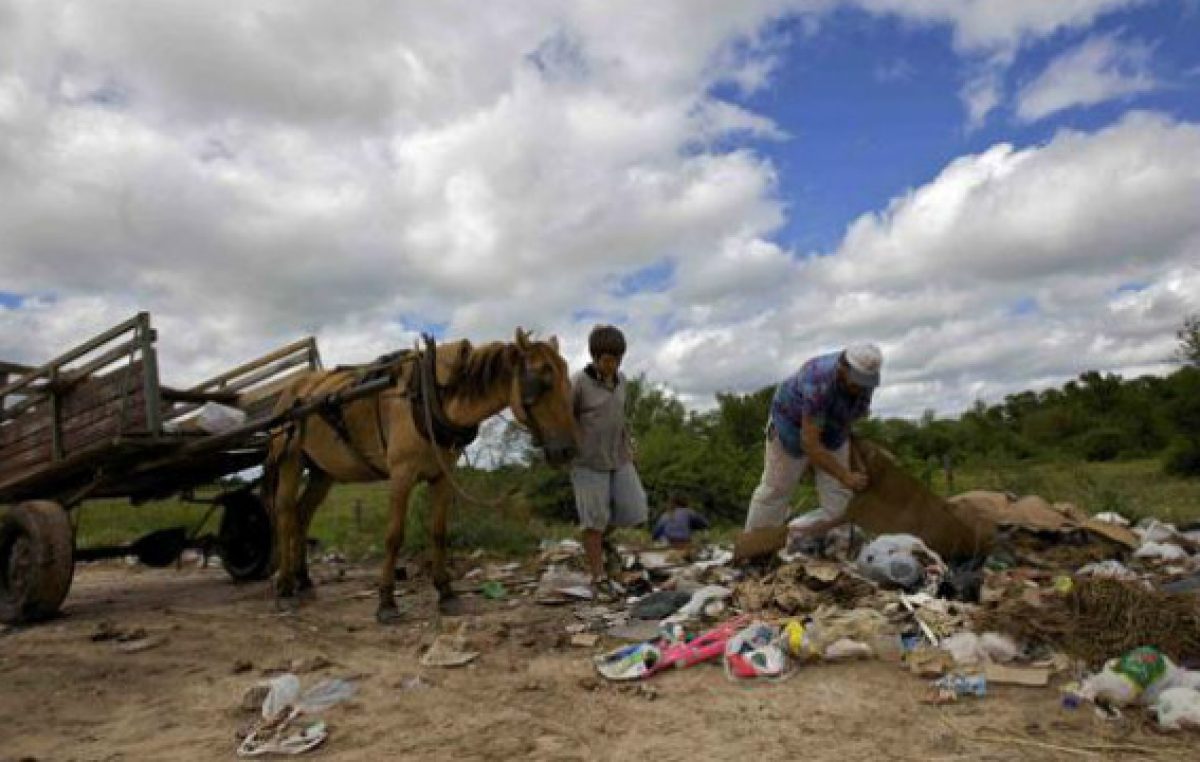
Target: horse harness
[(426, 403)]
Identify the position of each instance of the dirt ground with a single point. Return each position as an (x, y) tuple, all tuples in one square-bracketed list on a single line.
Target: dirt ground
[(530, 695)]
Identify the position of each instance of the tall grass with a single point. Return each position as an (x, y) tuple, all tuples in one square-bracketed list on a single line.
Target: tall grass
[(1134, 488), (354, 519)]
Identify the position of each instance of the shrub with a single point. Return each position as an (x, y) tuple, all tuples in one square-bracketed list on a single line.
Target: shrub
[(1102, 444), (1183, 458)]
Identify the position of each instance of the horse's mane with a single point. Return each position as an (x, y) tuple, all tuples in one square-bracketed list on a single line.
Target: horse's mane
[(484, 367)]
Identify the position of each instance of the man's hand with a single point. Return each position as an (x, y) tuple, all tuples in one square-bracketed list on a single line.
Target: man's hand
[(856, 481)]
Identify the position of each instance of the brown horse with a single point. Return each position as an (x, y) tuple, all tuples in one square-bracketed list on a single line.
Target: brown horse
[(412, 431)]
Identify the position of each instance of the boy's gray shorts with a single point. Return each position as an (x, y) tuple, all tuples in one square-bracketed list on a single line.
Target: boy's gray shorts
[(608, 498)]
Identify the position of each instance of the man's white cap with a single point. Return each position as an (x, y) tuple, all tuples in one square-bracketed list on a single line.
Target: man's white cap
[(864, 362)]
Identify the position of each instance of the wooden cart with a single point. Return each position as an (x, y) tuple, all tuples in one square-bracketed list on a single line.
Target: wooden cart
[(97, 423)]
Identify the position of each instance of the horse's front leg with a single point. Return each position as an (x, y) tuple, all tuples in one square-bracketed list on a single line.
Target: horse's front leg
[(402, 484)]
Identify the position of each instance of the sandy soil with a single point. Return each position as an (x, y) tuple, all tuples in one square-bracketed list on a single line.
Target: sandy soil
[(529, 696)]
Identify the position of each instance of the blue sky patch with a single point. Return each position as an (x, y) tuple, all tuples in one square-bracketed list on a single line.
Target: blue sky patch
[(654, 278), (871, 106), (10, 300), (416, 323), (1026, 306)]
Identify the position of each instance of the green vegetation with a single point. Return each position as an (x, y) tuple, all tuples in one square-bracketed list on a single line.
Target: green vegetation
[(352, 521)]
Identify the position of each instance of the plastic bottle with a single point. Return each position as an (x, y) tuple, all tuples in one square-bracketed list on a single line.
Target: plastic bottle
[(964, 685)]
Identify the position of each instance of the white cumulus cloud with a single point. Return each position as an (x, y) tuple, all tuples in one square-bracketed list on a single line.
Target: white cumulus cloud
[(1101, 68)]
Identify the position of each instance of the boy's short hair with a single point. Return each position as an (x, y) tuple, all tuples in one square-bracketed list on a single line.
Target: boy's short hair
[(606, 340)]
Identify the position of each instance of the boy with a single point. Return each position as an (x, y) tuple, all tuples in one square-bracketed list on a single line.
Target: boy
[(608, 491)]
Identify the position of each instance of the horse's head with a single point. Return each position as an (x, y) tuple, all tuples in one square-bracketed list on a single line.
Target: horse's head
[(541, 397)]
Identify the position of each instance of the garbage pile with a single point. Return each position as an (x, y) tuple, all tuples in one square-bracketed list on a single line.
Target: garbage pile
[(996, 589)]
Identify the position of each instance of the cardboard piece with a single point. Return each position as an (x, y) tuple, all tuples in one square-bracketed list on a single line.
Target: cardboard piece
[(895, 502), (759, 542), (1004, 674)]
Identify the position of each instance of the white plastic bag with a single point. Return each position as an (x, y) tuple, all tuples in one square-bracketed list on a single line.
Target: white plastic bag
[(1165, 551), (891, 558), (1178, 708), (1153, 530), (283, 693), (325, 694), (701, 599), (216, 419), (1109, 687), (966, 648), (846, 649), (999, 648)]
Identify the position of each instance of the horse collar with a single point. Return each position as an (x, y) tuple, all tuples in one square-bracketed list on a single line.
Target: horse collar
[(425, 391)]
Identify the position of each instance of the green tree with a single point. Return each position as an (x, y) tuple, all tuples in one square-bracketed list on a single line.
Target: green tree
[(1189, 340)]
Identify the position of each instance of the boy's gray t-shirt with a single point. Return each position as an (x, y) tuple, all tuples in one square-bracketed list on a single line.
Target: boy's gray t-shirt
[(600, 414)]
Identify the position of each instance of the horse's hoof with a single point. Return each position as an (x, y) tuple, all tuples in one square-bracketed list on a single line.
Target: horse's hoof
[(307, 593), (388, 615), (287, 604)]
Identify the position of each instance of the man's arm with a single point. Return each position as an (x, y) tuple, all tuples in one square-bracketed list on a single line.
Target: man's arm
[(825, 460)]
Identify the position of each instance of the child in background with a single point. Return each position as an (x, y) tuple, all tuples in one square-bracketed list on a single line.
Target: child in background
[(677, 523)]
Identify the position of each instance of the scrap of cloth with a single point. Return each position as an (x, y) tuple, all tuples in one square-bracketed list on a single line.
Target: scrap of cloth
[(814, 391)]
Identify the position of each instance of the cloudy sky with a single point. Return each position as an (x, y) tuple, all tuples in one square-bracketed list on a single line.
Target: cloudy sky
[(1001, 193)]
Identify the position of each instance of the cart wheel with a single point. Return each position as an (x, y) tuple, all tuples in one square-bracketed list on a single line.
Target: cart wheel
[(36, 561), (245, 537)]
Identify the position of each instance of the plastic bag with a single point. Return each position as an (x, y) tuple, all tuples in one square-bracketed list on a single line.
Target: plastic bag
[(846, 649), (1178, 708), (283, 692), (324, 695), (215, 418), (999, 648), (891, 559), (756, 651), (1140, 675), (904, 561), (1164, 551), (1153, 530), (965, 647), (1109, 687), (701, 598), (629, 662)]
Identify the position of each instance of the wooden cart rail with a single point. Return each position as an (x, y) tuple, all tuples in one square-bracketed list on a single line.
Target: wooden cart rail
[(91, 421), (103, 389)]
